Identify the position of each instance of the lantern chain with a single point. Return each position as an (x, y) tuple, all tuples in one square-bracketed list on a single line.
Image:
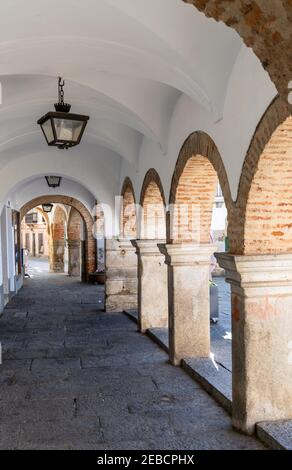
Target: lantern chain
[(60, 90)]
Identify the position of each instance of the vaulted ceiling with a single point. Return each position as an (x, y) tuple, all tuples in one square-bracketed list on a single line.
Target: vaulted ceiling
[(125, 64)]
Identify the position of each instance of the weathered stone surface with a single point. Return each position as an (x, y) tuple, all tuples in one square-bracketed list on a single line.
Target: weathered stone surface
[(121, 276), (189, 308), (276, 434), (152, 285)]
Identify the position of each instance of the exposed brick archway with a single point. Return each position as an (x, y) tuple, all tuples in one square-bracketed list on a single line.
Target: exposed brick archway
[(74, 225), (262, 219), (263, 25), (198, 169), (85, 214), (128, 210), (152, 202), (58, 223)]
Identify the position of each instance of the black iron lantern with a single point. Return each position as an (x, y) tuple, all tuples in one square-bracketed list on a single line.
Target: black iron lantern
[(62, 129), (47, 208), (53, 181)]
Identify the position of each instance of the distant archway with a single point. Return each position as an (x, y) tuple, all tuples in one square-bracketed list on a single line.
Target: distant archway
[(90, 241)]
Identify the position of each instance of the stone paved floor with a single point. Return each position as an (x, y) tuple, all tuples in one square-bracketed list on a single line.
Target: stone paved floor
[(76, 378)]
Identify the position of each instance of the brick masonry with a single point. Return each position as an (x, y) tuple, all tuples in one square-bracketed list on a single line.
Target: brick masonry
[(265, 26), (128, 213), (57, 242), (198, 168)]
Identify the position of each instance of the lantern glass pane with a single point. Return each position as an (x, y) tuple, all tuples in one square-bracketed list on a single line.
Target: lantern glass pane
[(47, 128), (67, 129), (53, 180)]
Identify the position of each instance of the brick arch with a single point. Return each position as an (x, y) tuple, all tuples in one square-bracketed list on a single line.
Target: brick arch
[(264, 202), (74, 225), (90, 242), (128, 210), (264, 26), (198, 169), (152, 204), (58, 223)]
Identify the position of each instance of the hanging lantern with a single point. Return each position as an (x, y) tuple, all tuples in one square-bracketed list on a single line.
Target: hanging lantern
[(53, 181), (62, 129), (47, 208)]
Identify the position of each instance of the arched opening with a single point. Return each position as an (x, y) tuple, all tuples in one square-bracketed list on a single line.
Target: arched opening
[(199, 196), (152, 203), (152, 271), (259, 271), (128, 211), (36, 239)]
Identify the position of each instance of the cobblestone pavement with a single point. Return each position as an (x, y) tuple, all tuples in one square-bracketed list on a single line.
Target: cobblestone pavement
[(74, 377)]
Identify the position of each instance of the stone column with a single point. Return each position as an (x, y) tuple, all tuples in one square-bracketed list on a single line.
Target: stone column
[(57, 251), (74, 250), (152, 285), (189, 304), (121, 276), (261, 295)]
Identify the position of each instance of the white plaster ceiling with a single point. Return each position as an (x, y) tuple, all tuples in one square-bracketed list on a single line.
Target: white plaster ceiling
[(125, 62)]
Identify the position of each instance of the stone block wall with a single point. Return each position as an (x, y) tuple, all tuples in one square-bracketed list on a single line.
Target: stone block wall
[(121, 289)]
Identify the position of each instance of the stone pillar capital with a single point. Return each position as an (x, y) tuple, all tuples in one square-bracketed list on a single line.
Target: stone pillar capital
[(187, 254), (261, 296), (271, 272), (148, 247), (126, 244)]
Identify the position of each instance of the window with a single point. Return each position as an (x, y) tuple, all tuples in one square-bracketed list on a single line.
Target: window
[(31, 218)]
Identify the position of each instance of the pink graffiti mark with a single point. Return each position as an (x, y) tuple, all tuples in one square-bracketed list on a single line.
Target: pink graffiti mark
[(263, 310)]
